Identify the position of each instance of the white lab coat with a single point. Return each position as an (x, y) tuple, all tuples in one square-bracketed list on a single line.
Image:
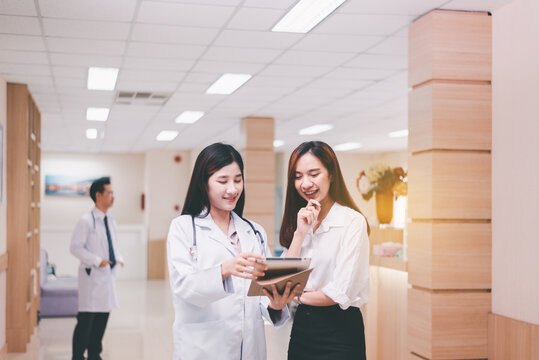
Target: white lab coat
[(97, 291), (215, 319)]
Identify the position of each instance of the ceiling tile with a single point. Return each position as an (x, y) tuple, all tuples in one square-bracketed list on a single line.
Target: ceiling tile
[(357, 24), (23, 57), (390, 7), (29, 79), (219, 53), (360, 73), (184, 14), (273, 4), (162, 64), (295, 70), (204, 2), (21, 25), (150, 76), (173, 34), (25, 69), (103, 30), (85, 46), (147, 86), (18, 7), (104, 10), (21, 42), (85, 60), (313, 58), (255, 19), (474, 5), (397, 62), (220, 67), (256, 39), (143, 49), (70, 72), (337, 43), (394, 45)]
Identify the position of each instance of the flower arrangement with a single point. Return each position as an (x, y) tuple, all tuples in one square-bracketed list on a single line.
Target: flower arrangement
[(382, 179)]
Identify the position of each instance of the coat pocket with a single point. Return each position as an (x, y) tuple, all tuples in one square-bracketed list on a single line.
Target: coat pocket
[(208, 340)]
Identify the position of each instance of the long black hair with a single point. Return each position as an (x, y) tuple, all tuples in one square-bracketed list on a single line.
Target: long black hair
[(210, 160), (337, 187)]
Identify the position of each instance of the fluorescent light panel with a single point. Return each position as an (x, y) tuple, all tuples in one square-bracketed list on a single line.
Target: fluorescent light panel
[(278, 143), (316, 129), (102, 78), (306, 15), (97, 114), (228, 83), (347, 146), (189, 117), (167, 135), (398, 133), (91, 133)]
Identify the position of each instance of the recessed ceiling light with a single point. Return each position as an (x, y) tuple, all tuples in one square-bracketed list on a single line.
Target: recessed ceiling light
[(189, 117), (398, 133), (102, 78), (347, 146), (316, 129), (166, 135), (228, 83), (91, 133), (97, 114), (306, 15), (278, 143)]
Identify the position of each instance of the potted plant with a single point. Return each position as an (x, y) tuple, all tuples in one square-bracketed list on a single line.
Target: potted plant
[(386, 183)]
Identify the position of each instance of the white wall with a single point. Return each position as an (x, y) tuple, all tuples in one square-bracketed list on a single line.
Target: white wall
[(127, 181), (166, 183), (515, 161), (3, 239)]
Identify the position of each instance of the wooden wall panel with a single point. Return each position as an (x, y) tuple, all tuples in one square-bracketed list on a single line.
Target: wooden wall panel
[(258, 133), (448, 325), (449, 185), (157, 259), (512, 339), (259, 165), (450, 45), (450, 116), (260, 197), (450, 255), (3, 262)]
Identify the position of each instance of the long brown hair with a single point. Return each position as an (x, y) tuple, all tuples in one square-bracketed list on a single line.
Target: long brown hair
[(337, 188)]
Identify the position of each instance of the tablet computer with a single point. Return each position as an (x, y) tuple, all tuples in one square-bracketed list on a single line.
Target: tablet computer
[(282, 266)]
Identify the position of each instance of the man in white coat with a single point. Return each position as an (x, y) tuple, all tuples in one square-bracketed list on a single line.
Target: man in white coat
[(94, 244)]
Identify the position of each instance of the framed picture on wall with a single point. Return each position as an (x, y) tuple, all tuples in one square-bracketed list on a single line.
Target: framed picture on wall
[(61, 185), (1, 161)]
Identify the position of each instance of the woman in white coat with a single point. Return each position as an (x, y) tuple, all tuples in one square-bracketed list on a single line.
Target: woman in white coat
[(212, 254)]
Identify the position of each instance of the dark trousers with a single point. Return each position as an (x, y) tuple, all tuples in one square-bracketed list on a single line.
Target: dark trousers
[(327, 333), (88, 334)]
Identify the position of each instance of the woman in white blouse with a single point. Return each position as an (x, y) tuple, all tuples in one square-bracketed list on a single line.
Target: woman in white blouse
[(321, 221)]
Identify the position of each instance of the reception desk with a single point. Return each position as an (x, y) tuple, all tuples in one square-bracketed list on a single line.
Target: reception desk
[(385, 314)]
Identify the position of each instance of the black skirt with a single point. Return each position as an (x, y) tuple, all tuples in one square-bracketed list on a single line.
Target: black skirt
[(328, 333)]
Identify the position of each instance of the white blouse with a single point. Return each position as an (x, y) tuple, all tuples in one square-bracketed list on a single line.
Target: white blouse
[(340, 257)]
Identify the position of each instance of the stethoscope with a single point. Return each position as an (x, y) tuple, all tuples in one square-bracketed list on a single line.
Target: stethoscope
[(193, 249)]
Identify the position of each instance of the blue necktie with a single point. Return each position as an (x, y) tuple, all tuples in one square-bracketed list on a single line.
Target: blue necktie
[(112, 258)]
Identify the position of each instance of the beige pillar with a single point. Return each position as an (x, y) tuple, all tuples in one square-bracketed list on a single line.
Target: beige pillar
[(449, 237), (259, 162)]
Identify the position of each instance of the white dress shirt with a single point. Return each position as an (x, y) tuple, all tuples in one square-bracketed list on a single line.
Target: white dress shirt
[(339, 249)]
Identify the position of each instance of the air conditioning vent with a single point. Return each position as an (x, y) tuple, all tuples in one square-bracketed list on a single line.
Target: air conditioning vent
[(141, 98)]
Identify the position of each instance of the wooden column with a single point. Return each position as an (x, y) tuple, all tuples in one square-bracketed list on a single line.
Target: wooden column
[(449, 237), (23, 132), (259, 162)]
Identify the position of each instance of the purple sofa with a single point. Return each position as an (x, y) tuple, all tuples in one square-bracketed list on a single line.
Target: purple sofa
[(59, 294)]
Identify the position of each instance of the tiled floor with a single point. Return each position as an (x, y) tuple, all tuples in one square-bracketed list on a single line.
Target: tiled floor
[(140, 329)]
